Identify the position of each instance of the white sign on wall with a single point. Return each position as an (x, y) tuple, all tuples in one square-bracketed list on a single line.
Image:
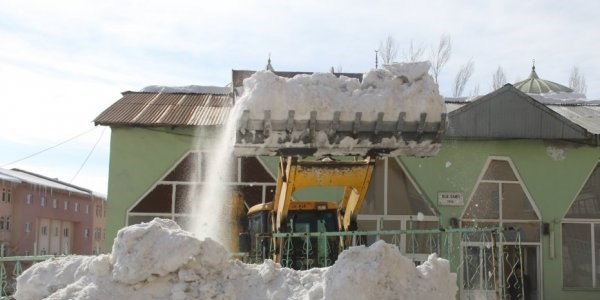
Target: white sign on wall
[(451, 198)]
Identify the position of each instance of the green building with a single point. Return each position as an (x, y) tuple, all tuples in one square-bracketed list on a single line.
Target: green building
[(524, 157)]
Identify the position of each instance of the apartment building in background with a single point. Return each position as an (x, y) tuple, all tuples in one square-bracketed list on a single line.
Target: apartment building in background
[(45, 216)]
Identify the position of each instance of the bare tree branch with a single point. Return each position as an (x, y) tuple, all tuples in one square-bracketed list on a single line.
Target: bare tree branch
[(474, 91), (498, 79), (441, 55), (413, 53), (388, 50), (577, 81), (462, 77)]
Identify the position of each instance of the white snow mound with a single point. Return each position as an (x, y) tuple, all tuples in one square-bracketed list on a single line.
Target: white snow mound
[(395, 88), (158, 260)]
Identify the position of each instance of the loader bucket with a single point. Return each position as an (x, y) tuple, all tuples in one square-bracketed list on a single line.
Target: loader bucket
[(315, 137), (393, 111)]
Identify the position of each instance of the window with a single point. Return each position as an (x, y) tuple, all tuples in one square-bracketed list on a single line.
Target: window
[(87, 208), (29, 199), (43, 251), (28, 227), (86, 233), (54, 203), (170, 197), (66, 232), (55, 231), (1, 223), (581, 237), (44, 230), (6, 195), (66, 205), (7, 223), (43, 201), (76, 206), (500, 196)]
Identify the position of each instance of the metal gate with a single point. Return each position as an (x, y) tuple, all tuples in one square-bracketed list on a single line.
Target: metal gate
[(486, 260)]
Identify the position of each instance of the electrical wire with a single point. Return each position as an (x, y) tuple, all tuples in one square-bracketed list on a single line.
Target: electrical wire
[(49, 148), (88, 156)]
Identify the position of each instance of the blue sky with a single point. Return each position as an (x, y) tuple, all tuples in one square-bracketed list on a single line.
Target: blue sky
[(63, 62)]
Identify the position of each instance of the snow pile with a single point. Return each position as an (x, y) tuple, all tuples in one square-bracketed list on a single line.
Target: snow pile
[(158, 260), (400, 87)]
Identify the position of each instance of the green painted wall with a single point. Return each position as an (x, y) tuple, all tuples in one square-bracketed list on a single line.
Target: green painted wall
[(139, 157), (552, 183)]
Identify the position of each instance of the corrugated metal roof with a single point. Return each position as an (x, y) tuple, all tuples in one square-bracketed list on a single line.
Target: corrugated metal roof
[(508, 113), (18, 176), (167, 109), (587, 117), (190, 109)]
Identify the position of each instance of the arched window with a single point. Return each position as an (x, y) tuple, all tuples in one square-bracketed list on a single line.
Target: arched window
[(501, 199)]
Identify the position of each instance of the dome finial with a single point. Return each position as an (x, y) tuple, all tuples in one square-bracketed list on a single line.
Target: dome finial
[(533, 74), (269, 66)]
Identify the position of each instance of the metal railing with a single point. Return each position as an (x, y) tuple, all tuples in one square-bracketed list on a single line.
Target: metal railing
[(478, 255), (12, 267)]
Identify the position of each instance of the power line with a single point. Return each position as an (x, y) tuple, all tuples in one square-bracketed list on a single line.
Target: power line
[(49, 148), (88, 156)]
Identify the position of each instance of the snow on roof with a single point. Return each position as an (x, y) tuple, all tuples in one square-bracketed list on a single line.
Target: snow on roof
[(17, 175), (560, 98), (158, 260), (587, 117), (188, 89), (9, 178)]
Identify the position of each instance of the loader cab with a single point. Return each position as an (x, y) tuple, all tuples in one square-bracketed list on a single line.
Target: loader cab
[(256, 241), (303, 217), (315, 218)]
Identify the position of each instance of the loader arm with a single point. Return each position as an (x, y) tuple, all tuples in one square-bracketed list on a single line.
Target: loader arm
[(295, 174), (354, 197)]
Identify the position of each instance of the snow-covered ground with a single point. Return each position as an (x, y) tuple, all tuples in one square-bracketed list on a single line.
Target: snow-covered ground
[(158, 260)]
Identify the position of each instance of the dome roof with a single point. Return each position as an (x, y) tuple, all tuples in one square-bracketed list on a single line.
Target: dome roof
[(535, 85)]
